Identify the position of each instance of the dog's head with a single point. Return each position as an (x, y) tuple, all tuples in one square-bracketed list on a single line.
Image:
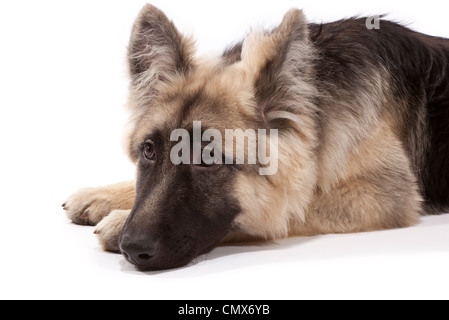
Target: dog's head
[(194, 187)]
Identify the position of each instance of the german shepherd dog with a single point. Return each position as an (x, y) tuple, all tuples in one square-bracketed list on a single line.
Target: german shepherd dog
[(362, 118)]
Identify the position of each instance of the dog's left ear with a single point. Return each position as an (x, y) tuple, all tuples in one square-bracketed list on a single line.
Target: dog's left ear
[(278, 49), (279, 64), (157, 50)]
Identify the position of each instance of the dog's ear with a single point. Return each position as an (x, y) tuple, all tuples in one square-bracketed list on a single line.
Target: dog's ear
[(279, 64), (278, 49), (157, 50)]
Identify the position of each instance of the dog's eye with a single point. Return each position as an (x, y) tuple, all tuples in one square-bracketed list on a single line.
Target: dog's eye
[(149, 151)]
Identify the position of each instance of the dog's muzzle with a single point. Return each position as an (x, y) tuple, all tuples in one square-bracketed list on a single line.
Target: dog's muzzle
[(140, 253)]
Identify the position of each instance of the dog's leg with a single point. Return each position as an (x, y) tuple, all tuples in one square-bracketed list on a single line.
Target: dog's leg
[(240, 237), (376, 190), (360, 206), (90, 206), (376, 201), (109, 229)]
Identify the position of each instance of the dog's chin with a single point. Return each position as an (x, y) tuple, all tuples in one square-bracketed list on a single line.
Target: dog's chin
[(174, 260), (156, 266)]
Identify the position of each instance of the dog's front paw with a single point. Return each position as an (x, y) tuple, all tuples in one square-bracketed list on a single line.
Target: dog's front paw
[(88, 206), (109, 229)]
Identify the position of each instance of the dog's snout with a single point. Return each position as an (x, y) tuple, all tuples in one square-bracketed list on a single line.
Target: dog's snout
[(141, 253)]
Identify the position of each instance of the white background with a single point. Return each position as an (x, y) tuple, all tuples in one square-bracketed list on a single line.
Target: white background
[(63, 86)]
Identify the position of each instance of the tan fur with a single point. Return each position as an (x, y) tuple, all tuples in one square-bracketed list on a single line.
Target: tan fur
[(155, 49), (366, 195), (345, 178), (349, 132), (91, 205), (110, 228)]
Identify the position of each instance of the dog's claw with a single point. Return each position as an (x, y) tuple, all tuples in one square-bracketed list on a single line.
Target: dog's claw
[(64, 206)]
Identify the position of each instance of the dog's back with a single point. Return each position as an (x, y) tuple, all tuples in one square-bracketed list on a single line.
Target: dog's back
[(416, 71), (361, 137)]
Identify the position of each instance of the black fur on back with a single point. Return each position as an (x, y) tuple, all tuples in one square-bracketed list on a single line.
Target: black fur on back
[(419, 77)]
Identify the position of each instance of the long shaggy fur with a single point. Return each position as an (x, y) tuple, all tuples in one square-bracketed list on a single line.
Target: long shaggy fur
[(363, 121)]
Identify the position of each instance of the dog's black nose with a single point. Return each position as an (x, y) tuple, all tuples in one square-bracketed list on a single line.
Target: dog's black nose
[(141, 253)]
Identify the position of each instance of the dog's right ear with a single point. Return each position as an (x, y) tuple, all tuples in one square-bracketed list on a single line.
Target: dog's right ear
[(157, 50)]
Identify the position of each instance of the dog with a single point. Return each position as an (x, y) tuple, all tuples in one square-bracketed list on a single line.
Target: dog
[(359, 118)]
